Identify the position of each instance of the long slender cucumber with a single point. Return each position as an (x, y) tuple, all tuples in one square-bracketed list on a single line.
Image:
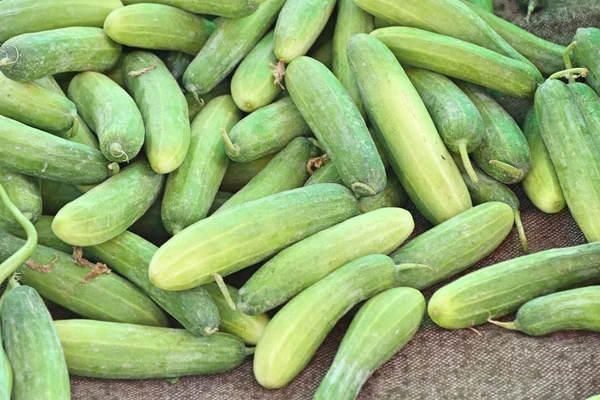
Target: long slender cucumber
[(24, 192), (587, 54), (223, 8)]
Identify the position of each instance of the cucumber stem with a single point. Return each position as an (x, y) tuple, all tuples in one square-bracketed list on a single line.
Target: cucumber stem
[(116, 151), (209, 331), (521, 231), (363, 189), (567, 60), (12, 283), (531, 8), (223, 288), (509, 169), (506, 325), (576, 72), (114, 168), (462, 148), (6, 59), (250, 350), (231, 148), (411, 266)]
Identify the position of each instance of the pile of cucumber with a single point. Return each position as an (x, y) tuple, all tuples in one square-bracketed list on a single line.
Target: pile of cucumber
[(151, 149)]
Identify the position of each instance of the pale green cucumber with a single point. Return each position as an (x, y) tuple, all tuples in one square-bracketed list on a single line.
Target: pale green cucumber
[(24, 192), (223, 8), (6, 374), (239, 174), (328, 174), (393, 195), (56, 195)]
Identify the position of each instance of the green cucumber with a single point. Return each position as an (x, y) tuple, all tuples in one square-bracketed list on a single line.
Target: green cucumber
[(500, 289), (459, 59), (393, 195), (541, 183), (487, 5), (24, 192), (336, 122), (402, 122), (150, 225), (110, 208), (110, 112), (222, 244), (223, 8), (6, 374), (589, 104), (177, 62), (572, 309), (33, 56), (239, 174), (191, 189), (158, 27), (266, 131), (381, 328), (108, 350), (196, 104), (163, 107), (328, 174), (56, 195), (457, 244), (305, 263), (33, 348), (587, 54), (323, 54), (229, 44)]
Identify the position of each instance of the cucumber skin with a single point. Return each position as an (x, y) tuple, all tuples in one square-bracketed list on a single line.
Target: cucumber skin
[(110, 350), (60, 50), (589, 104), (393, 195), (239, 174), (455, 245), (587, 54), (24, 192), (110, 112), (308, 261), (501, 289), (380, 329), (297, 330), (223, 8), (138, 26), (328, 174), (192, 188), (336, 122), (166, 122), (33, 347), (401, 122), (110, 208), (6, 375), (190, 258)]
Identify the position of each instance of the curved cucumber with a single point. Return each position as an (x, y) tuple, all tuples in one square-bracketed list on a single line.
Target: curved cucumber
[(6, 374), (24, 192), (381, 328), (393, 195), (222, 244), (587, 54), (402, 122), (329, 174), (223, 8), (239, 174)]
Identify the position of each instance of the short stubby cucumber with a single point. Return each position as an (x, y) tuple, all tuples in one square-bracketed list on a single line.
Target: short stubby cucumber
[(24, 192), (500, 289), (328, 174), (336, 122), (56, 195), (223, 244), (158, 27), (587, 54), (305, 263), (380, 329), (33, 56), (163, 107), (402, 122), (239, 174), (393, 195), (222, 8)]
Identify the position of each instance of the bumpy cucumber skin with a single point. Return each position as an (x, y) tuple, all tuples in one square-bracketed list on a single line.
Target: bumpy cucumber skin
[(6, 375), (163, 108), (587, 54), (380, 329), (158, 27), (222, 8), (228, 45), (565, 134), (267, 131), (541, 183), (191, 257), (455, 245), (187, 198), (589, 104), (36, 153), (458, 59), (500, 289), (33, 56), (111, 113), (328, 174), (294, 334), (24, 192), (393, 195), (402, 122), (336, 121), (110, 208), (33, 347), (108, 350), (239, 174), (305, 263)]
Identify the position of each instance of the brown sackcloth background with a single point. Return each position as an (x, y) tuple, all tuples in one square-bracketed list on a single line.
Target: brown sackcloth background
[(437, 364)]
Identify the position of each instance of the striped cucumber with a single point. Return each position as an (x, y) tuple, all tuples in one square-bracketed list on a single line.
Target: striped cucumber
[(56, 195), (6, 374), (307, 262), (24, 192), (223, 8), (239, 174), (193, 256), (393, 195), (402, 122), (587, 54), (382, 327), (329, 174), (487, 5)]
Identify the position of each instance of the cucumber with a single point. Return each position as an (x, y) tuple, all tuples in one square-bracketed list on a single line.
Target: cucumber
[(6, 374), (33, 56), (393, 195), (108, 350), (193, 256), (33, 347), (587, 54), (541, 183), (254, 83), (177, 62), (504, 153), (266, 131), (158, 27), (328, 174), (286, 171), (457, 244), (56, 195), (229, 44), (501, 289), (381, 328), (163, 107), (336, 122), (110, 112), (459, 59), (402, 122), (239, 174), (487, 5), (191, 189), (196, 104), (45, 235), (323, 54), (24, 192), (589, 104), (27, 16), (127, 196), (298, 329), (150, 225), (223, 8), (307, 262)]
